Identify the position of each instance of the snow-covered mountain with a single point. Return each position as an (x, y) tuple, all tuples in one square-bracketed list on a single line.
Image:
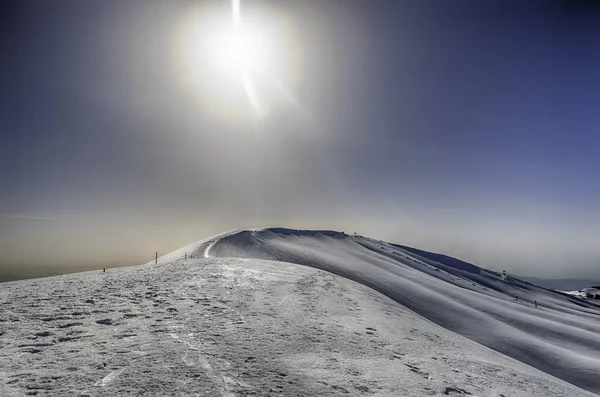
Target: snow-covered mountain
[(288, 312)]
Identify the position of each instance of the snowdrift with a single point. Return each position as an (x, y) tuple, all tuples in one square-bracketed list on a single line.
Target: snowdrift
[(559, 336)]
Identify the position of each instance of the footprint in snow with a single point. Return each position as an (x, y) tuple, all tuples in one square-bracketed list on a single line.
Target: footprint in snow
[(418, 371), (453, 391), (69, 325)]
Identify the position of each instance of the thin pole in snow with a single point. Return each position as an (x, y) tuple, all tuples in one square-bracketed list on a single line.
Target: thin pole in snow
[(156, 259)]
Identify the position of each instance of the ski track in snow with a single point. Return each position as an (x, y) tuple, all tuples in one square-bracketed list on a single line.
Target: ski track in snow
[(237, 327)]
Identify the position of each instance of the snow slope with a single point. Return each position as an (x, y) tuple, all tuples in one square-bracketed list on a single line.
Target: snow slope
[(237, 327), (560, 336)]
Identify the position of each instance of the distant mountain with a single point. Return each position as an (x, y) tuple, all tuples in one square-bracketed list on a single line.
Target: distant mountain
[(11, 277), (562, 284), (6, 277), (15, 273)]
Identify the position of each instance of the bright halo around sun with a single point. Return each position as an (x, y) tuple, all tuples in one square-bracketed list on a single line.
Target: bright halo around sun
[(225, 55)]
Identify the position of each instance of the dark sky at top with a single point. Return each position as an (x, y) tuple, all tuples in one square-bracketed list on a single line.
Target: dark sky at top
[(468, 127)]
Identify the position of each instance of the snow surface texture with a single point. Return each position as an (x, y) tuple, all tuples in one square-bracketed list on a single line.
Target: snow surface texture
[(560, 336), (237, 327)]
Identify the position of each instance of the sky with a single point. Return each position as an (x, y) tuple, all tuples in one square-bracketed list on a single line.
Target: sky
[(464, 127)]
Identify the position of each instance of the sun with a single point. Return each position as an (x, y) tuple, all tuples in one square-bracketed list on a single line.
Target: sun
[(223, 54), (243, 46), (240, 51), (243, 52)]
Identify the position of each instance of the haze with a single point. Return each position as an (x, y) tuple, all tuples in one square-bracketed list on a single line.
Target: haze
[(467, 127)]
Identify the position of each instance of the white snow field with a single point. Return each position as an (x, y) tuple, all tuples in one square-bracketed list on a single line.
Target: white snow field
[(251, 315)]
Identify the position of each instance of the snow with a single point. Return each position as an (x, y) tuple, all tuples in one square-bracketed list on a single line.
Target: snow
[(284, 312), (585, 293), (559, 336)]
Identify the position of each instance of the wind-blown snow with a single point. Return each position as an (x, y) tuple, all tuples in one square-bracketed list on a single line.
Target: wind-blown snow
[(227, 326)]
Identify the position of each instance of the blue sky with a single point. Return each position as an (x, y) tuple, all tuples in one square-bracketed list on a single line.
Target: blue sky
[(467, 127)]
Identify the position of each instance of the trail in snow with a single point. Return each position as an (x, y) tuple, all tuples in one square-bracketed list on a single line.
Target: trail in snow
[(207, 250)]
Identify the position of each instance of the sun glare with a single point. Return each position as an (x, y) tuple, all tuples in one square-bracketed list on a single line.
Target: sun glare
[(241, 50), (221, 55), (245, 52)]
